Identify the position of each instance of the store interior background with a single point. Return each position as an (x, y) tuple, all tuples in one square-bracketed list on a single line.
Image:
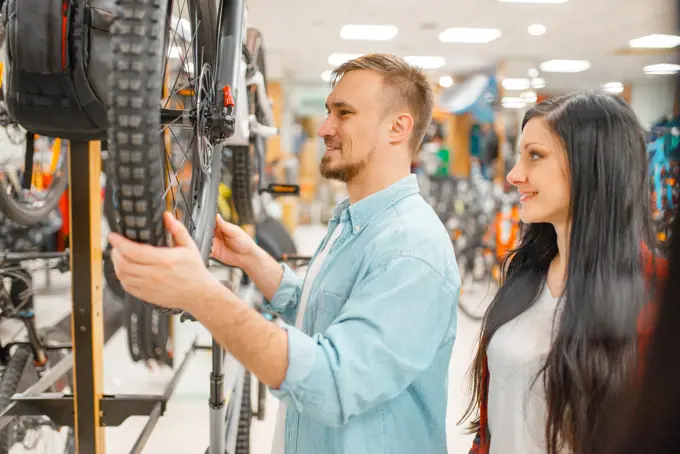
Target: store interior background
[(522, 36), (303, 42)]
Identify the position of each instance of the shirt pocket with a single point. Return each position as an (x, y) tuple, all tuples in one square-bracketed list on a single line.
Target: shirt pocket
[(329, 309)]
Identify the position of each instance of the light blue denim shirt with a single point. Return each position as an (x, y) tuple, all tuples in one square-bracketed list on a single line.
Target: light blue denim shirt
[(368, 371)]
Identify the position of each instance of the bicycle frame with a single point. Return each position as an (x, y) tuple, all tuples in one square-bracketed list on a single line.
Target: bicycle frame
[(223, 51)]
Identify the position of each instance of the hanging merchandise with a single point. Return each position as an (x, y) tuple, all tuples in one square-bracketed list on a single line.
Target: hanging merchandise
[(477, 95), (435, 155), (476, 141), (489, 151), (663, 149)]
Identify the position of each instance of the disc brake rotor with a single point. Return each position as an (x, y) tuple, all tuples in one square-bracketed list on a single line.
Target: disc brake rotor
[(204, 100)]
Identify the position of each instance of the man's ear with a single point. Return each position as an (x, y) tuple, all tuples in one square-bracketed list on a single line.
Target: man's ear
[(401, 128)]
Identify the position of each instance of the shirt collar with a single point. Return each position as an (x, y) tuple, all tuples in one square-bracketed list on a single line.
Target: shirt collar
[(361, 213)]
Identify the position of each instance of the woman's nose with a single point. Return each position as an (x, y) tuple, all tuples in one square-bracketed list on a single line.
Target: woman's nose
[(516, 176)]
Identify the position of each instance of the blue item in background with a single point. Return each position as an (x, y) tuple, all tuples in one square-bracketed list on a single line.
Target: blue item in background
[(663, 149), (476, 141), (477, 95)]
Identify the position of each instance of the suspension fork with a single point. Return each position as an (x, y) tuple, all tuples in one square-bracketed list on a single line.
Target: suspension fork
[(27, 316), (39, 355)]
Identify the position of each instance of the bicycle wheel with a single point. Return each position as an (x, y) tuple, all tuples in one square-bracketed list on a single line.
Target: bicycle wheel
[(21, 431), (162, 93), (20, 200), (247, 162), (273, 237), (256, 51), (8, 387)]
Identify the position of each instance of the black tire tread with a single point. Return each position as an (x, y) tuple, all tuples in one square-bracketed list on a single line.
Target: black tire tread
[(245, 419), (242, 184), (243, 162), (8, 387), (135, 165)]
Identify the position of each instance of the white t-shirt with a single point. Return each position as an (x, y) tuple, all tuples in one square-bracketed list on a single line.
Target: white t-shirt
[(278, 442), (517, 405)]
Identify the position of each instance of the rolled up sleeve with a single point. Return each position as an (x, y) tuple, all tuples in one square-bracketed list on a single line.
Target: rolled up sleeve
[(287, 297), (387, 334)]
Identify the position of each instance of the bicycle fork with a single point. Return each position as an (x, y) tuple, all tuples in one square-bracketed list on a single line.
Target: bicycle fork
[(39, 355)]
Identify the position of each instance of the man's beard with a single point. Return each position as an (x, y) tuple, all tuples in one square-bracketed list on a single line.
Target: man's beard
[(344, 172)]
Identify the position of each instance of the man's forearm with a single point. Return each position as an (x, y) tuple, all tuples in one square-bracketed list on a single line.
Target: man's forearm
[(265, 271), (258, 344)]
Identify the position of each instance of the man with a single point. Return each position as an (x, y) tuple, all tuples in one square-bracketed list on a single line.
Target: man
[(362, 366)]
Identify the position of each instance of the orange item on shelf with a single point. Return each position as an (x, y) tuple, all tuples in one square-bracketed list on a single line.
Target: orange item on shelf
[(507, 231)]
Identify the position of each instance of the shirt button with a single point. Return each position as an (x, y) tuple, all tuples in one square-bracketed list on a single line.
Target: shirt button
[(357, 228)]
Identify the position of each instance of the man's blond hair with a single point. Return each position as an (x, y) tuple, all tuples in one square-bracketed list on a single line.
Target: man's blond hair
[(407, 88)]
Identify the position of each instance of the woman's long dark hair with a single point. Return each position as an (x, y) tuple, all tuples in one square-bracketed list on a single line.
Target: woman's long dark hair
[(656, 417), (593, 356)]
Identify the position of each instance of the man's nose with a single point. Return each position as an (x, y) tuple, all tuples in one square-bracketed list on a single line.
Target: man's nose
[(326, 128)]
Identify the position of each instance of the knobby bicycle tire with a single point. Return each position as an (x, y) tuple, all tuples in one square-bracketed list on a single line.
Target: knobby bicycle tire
[(136, 150), (244, 419), (242, 184), (8, 387), (9, 384), (244, 163)]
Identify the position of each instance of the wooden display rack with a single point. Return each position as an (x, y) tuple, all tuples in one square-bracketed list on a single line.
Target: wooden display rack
[(88, 410)]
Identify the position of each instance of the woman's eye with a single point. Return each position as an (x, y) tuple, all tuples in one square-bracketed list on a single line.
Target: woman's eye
[(344, 112), (533, 156)]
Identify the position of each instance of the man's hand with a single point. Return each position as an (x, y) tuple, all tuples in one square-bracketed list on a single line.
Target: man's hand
[(231, 245), (177, 278), (173, 277)]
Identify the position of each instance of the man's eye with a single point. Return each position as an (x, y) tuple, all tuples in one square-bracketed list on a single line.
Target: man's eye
[(345, 112)]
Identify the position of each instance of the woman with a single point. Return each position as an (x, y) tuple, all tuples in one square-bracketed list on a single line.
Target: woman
[(559, 342)]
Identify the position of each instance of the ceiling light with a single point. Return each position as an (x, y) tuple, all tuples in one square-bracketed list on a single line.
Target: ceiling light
[(426, 62), (326, 76), (662, 69), (613, 87), (564, 66), (533, 1), (536, 29), (369, 32), (513, 103), (529, 96), (532, 73), (538, 83), (339, 59), (655, 42), (469, 35), (516, 84), (445, 81)]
